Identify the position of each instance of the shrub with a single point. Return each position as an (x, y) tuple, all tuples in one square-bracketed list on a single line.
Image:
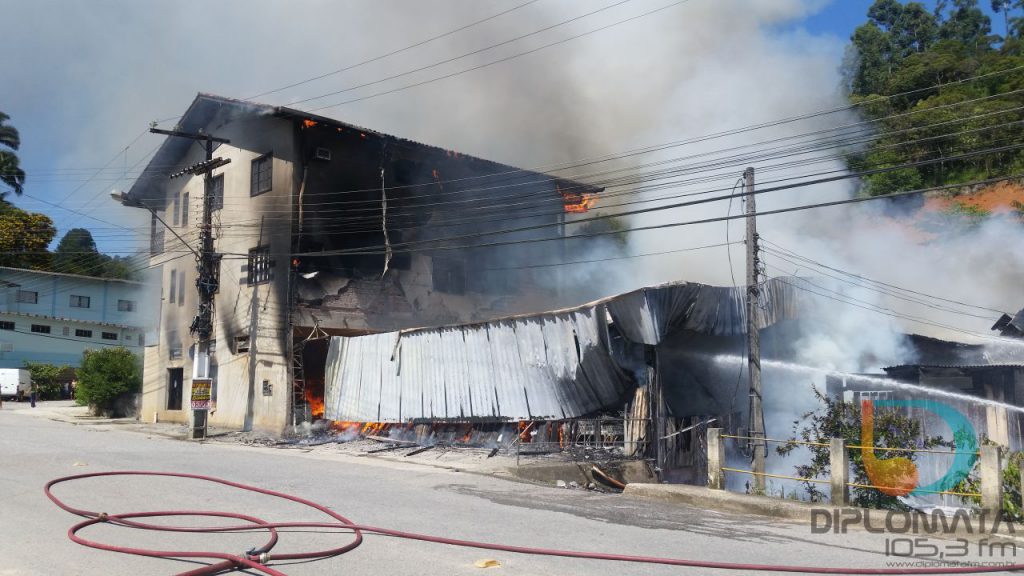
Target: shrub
[(47, 379), (106, 378)]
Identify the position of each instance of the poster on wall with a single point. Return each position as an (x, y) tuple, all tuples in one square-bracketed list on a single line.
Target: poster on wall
[(201, 388)]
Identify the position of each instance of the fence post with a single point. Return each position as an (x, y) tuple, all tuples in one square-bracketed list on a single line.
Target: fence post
[(991, 480), (839, 464), (716, 459)]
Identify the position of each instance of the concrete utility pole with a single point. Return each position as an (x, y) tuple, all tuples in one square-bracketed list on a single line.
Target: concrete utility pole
[(753, 337), (206, 282)]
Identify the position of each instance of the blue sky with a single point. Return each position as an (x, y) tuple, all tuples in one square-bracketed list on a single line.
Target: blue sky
[(840, 17)]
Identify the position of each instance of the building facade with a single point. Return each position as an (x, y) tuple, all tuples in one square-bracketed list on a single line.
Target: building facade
[(323, 228), (53, 318)]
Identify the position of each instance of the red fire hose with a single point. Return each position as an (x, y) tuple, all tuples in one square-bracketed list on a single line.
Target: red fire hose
[(259, 558)]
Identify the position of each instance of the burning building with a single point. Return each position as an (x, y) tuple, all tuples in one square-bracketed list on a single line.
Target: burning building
[(324, 229)]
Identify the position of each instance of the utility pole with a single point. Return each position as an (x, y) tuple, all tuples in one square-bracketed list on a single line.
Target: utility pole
[(206, 282), (753, 337)]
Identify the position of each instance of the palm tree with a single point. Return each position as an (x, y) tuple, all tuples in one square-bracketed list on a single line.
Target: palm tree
[(10, 173)]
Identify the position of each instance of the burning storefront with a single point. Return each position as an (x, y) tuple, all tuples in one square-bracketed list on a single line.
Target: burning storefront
[(326, 229)]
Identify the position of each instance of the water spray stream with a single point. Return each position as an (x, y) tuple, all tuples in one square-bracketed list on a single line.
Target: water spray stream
[(888, 383)]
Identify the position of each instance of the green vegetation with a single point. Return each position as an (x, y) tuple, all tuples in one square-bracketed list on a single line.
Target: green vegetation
[(25, 237), (838, 419), (1013, 506), (905, 50), (107, 379), (11, 173), (48, 378)]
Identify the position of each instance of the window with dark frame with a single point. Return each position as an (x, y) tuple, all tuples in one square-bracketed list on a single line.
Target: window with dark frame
[(184, 209), (174, 286), (28, 297), (109, 335), (83, 333), (156, 235), (4, 325), (175, 210), (41, 328), (259, 265), (262, 175), (449, 275), (181, 288), (126, 306), (217, 191), (79, 301)]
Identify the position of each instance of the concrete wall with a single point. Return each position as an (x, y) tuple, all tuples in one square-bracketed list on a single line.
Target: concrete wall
[(243, 223)]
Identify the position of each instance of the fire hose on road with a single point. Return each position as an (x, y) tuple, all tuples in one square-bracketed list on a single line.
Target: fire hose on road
[(260, 558)]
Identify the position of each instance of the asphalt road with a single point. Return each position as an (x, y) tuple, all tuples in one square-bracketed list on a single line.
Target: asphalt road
[(398, 495)]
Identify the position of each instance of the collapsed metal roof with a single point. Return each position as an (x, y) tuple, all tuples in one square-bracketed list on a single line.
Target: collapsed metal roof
[(551, 365)]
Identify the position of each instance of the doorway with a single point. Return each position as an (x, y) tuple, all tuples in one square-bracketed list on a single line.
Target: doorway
[(175, 388)]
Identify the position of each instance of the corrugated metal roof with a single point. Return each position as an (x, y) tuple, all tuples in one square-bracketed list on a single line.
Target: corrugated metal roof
[(552, 365), (953, 366), (539, 367)]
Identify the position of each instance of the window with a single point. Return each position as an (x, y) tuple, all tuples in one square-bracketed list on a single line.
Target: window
[(449, 276), (28, 297), (181, 288), (217, 191), (262, 175), (156, 236), (176, 210), (184, 209), (173, 345), (241, 344), (6, 325), (174, 286), (65, 331), (79, 301), (109, 335), (40, 328), (83, 333), (259, 265), (126, 305)]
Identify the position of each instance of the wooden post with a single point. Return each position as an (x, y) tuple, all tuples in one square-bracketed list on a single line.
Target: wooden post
[(716, 459), (839, 464)]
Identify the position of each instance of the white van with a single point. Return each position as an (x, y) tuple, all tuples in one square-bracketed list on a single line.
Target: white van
[(15, 383)]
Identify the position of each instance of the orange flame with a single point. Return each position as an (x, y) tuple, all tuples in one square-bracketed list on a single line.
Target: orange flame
[(577, 202), (308, 123), (316, 404)]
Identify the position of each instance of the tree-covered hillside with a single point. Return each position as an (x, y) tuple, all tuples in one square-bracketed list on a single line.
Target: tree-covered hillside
[(929, 62)]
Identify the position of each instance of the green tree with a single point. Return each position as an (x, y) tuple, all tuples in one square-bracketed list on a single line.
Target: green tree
[(837, 419), (968, 24), (25, 238), (107, 379), (76, 253), (11, 173), (47, 378)]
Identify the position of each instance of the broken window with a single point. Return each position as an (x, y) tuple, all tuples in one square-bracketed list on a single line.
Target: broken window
[(241, 344), (176, 211), (258, 270), (262, 175), (173, 345), (449, 275), (156, 236), (217, 192)]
